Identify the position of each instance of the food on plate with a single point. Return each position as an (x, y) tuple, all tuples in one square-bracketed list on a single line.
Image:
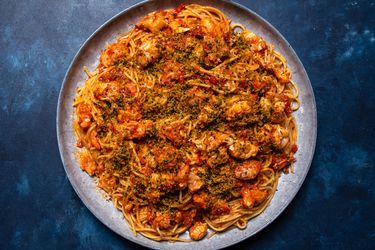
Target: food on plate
[(187, 123)]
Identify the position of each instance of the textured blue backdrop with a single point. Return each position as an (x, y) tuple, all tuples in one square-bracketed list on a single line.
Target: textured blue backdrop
[(335, 207)]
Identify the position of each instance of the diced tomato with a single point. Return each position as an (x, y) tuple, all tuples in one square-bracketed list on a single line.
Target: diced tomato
[(288, 107), (243, 83), (279, 161), (180, 8), (213, 80), (294, 148)]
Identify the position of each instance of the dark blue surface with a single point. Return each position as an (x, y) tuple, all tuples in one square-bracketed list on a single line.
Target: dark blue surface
[(334, 209)]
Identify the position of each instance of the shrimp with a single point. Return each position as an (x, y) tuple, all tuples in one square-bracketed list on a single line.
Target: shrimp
[(201, 200), (212, 140), (175, 132), (146, 159), (146, 214), (194, 182), (248, 170), (215, 29), (274, 134), (205, 116), (85, 123), (148, 52), (198, 51), (114, 53), (198, 230), (252, 196), (265, 106), (183, 175), (257, 43), (243, 150), (278, 107), (248, 35), (87, 164), (177, 26), (154, 180), (135, 130), (94, 141), (220, 208), (84, 116), (154, 22), (238, 109), (167, 181), (185, 218), (280, 136), (116, 89), (278, 112), (208, 24), (162, 221)]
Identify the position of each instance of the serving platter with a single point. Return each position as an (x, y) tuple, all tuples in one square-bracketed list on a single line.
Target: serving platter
[(85, 186)]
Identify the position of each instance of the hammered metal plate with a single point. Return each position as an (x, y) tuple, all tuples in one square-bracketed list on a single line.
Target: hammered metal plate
[(84, 185)]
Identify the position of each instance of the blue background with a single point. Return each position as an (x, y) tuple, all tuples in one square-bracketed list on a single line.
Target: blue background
[(334, 209)]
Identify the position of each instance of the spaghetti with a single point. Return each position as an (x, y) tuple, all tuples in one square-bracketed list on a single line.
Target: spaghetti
[(187, 123)]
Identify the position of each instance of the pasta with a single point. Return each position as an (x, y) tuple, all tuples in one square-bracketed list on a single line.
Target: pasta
[(187, 123)]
